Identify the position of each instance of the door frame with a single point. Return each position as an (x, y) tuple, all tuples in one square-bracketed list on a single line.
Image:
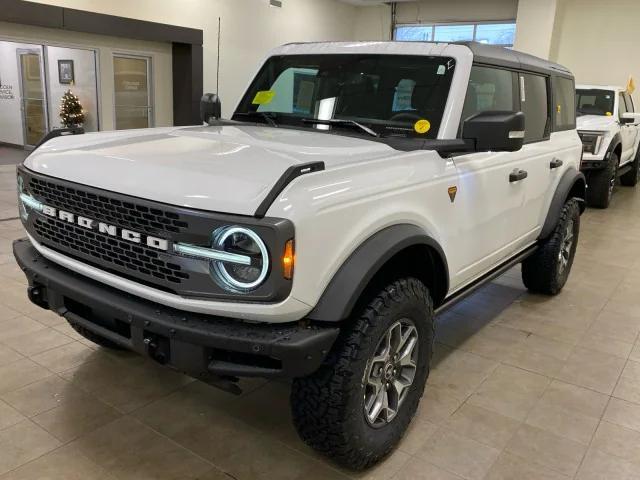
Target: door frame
[(151, 106), (45, 93)]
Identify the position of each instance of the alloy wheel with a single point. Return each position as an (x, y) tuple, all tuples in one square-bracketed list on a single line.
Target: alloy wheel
[(565, 249), (390, 372)]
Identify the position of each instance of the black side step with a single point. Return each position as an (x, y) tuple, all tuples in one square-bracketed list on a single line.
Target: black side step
[(486, 278), (287, 177)]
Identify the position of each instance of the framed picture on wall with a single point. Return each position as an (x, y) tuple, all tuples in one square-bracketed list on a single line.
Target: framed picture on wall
[(65, 71)]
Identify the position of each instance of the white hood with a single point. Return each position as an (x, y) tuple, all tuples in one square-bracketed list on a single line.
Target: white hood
[(221, 168), (595, 122)]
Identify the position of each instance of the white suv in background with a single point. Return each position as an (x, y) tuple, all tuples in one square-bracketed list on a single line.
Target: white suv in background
[(610, 132), (357, 189)]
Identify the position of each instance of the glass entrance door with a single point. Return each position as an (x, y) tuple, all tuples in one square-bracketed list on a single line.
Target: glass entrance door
[(32, 96), (133, 107)]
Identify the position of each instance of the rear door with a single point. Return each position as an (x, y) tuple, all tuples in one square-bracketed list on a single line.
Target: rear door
[(540, 156)]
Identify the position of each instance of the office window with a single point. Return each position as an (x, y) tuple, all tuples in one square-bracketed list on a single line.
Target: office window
[(494, 33)]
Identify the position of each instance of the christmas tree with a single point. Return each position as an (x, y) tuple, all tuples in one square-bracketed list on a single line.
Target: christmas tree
[(71, 112)]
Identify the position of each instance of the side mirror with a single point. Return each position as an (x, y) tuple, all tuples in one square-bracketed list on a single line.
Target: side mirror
[(630, 117), (210, 107), (495, 131)]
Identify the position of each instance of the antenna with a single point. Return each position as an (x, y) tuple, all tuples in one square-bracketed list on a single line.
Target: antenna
[(218, 59)]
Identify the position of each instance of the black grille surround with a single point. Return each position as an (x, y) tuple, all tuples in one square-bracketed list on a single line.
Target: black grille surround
[(163, 270)]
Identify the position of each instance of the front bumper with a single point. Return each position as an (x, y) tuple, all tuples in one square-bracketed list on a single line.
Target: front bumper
[(203, 346)]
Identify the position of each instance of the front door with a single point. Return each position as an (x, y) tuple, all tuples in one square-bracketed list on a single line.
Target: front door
[(32, 96), (133, 106)]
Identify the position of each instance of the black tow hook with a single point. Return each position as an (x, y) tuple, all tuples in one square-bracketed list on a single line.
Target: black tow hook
[(37, 295), (157, 347)]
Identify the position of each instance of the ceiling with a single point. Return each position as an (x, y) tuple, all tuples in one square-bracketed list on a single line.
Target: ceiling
[(364, 3)]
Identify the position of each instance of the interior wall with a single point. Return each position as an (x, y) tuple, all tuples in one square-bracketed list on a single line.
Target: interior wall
[(597, 40), (84, 84), (160, 54), (250, 28), (535, 26)]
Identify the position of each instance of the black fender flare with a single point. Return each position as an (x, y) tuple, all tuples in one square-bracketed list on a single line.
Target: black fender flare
[(353, 276), (572, 184), (613, 144)]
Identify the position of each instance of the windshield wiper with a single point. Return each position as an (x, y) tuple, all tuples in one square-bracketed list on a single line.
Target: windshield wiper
[(341, 121), (268, 118)]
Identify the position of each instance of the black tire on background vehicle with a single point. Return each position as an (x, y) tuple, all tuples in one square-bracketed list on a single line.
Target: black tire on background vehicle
[(358, 404), (547, 270), (600, 184), (97, 339), (630, 179)]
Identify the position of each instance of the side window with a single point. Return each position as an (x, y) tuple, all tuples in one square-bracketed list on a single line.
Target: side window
[(489, 89), (622, 106), (534, 99), (565, 103), (629, 102)]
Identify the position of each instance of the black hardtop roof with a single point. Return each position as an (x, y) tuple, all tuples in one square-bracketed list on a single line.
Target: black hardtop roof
[(504, 57), (499, 56)]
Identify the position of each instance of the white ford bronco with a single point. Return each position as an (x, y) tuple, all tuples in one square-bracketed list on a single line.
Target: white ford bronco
[(610, 132), (357, 190)]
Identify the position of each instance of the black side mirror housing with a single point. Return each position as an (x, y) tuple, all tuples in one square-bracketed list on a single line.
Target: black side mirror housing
[(495, 131), (210, 107)]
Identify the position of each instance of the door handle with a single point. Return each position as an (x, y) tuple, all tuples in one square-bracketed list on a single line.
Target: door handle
[(518, 175), (555, 163)]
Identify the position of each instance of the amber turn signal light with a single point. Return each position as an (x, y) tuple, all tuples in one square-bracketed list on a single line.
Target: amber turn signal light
[(288, 260)]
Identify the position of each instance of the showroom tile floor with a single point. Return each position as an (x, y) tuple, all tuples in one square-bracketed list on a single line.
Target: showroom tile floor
[(522, 387)]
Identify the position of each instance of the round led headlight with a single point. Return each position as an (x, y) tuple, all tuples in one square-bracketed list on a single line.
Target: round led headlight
[(248, 263)]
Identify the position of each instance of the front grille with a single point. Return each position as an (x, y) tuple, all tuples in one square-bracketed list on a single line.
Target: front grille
[(105, 250), (126, 214)]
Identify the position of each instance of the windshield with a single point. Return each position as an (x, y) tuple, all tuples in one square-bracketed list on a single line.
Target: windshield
[(594, 102), (388, 95)]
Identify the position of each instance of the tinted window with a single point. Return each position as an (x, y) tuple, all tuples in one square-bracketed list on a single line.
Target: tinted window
[(535, 105), (565, 107), (629, 102), (387, 93), (489, 89), (622, 107)]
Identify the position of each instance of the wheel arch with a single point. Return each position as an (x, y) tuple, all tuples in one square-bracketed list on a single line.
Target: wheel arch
[(572, 185), (396, 251)]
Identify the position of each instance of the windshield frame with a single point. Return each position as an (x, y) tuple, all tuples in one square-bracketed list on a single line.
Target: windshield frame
[(385, 128)]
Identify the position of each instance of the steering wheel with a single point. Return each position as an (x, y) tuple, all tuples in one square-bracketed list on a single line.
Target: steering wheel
[(405, 116)]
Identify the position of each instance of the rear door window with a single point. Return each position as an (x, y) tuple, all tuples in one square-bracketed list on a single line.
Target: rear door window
[(565, 103), (534, 100)]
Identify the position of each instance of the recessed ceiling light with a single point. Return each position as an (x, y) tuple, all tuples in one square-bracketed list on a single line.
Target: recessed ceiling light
[(275, 3)]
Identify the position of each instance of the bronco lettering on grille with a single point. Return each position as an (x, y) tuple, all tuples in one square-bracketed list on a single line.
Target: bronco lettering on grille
[(112, 230)]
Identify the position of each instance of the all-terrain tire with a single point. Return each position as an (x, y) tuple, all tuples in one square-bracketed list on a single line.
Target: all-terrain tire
[(328, 406), (630, 179), (97, 339), (600, 184), (544, 271)]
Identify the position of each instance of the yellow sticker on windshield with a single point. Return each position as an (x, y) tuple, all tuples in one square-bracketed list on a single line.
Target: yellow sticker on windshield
[(263, 97), (608, 114), (422, 126)]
